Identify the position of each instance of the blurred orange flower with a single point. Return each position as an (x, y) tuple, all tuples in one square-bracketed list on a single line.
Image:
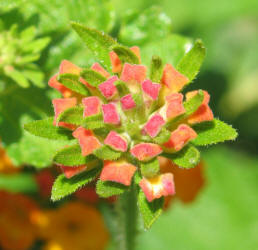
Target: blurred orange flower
[(6, 165), (188, 182), (16, 228), (73, 226)]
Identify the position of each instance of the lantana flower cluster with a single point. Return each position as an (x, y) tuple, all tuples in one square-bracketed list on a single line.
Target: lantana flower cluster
[(129, 119)]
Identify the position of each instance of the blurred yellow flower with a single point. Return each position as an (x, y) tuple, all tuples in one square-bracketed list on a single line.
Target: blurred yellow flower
[(16, 228), (73, 226)]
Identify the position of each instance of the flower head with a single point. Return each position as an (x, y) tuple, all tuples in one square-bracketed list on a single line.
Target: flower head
[(123, 116), (140, 118)]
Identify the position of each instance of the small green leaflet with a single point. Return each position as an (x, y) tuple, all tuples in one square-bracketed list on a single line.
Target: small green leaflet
[(190, 64), (194, 103), (63, 186), (72, 115), (213, 132), (17, 76), (46, 129), (72, 82), (72, 156), (162, 137), (156, 69), (98, 42), (106, 189), (122, 88), (107, 153), (150, 168), (187, 157), (150, 211), (93, 122), (125, 54), (92, 77)]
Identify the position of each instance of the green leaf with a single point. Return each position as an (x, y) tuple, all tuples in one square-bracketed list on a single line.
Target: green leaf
[(17, 76), (21, 182), (162, 137), (72, 156), (156, 69), (107, 153), (125, 54), (190, 64), (150, 211), (122, 88), (46, 129), (37, 45), (187, 157), (35, 76), (98, 42), (27, 34), (106, 189), (213, 132), (194, 103), (72, 82), (150, 169), (63, 186), (92, 77), (72, 115), (149, 24), (19, 106), (93, 122)]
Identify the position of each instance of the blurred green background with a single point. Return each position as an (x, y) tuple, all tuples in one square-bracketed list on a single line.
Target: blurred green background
[(225, 214)]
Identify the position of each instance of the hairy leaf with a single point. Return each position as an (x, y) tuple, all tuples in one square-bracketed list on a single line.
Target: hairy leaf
[(72, 156), (156, 69), (98, 42), (150, 211), (72, 82), (188, 157), (92, 77), (213, 132), (122, 88), (72, 115), (190, 64), (46, 129), (106, 189), (63, 186), (150, 168), (107, 153), (125, 54), (194, 103), (93, 122)]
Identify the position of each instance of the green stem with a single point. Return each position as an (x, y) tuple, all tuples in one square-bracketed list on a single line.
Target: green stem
[(122, 220)]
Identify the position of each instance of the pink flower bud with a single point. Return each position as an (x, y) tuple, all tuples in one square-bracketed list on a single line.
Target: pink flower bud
[(145, 151), (69, 172), (118, 171), (151, 89), (60, 105), (67, 67), (156, 187), (127, 102), (203, 113), (110, 114), (92, 106), (97, 67), (133, 72), (172, 79), (180, 137), (116, 141), (88, 142), (108, 88), (154, 125)]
